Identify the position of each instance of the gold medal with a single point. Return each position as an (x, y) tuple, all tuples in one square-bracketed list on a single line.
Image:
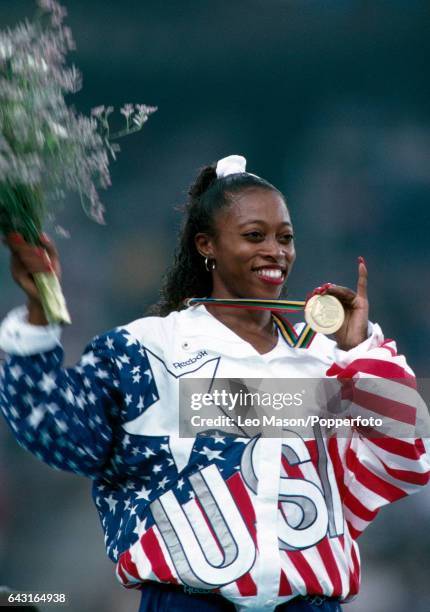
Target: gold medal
[(324, 313)]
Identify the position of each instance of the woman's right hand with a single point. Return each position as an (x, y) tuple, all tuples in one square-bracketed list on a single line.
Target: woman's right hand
[(26, 260)]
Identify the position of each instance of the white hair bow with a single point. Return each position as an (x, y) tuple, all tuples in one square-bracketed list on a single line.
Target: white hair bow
[(233, 164)]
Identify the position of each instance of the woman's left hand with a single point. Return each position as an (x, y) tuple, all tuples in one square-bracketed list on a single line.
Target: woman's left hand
[(356, 306)]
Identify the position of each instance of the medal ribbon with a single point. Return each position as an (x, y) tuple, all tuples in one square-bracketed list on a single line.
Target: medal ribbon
[(292, 338)]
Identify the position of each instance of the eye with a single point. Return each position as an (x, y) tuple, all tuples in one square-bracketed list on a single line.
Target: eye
[(286, 238), (254, 235)]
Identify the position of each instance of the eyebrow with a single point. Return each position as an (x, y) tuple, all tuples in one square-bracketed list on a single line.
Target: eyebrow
[(261, 221)]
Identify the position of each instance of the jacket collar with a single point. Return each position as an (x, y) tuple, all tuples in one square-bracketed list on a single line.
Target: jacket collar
[(201, 330)]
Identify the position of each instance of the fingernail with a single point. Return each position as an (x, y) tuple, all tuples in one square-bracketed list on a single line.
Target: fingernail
[(361, 260), (39, 251), (44, 237), (15, 237)]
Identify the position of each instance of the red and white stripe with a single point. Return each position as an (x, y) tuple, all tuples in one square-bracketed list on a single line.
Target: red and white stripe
[(370, 472), (378, 469)]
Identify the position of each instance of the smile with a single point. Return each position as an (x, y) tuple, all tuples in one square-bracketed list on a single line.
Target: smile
[(274, 276)]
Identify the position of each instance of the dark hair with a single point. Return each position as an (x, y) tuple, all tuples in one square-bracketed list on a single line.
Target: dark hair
[(188, 277)]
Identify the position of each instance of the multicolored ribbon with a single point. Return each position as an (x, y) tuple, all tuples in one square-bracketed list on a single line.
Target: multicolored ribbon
[(292, 338)]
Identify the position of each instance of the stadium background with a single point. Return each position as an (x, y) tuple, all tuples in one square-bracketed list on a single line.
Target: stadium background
[(327, 100)]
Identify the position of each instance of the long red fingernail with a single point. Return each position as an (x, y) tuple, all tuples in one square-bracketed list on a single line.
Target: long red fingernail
[(15, 237)]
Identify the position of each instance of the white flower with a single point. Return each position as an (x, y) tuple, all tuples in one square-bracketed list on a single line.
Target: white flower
[(143, 112), (38, 62), (6, 49), (59, 130), (127, 110), (97, 111), (40, 139)]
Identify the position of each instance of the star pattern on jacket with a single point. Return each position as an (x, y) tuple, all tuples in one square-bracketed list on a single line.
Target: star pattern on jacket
[(92, 419)]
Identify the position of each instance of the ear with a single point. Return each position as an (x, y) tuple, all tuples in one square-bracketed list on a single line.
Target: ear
[(204, 244)]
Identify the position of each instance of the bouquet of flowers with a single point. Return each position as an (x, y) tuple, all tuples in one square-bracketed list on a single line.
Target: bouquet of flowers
[(46, 147)]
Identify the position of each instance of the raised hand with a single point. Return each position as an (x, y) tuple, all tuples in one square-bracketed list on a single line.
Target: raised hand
[(26, 260), (356, 306)]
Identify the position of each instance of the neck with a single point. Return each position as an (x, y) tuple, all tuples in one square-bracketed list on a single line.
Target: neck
[(241, 318)]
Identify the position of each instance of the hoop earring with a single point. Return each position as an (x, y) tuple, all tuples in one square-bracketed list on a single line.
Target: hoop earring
[(212, 264)]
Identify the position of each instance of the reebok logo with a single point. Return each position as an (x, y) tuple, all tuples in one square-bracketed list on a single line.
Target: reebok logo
[(183, 364)]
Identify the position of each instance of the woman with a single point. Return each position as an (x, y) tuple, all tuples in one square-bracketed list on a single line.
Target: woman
[(220, 522)]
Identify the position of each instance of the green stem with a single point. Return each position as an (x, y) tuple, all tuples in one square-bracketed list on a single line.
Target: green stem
[(123, 133), (51, 297), (21, 210)]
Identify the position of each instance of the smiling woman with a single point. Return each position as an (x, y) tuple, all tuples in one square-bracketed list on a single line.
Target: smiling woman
[(221, 520), (253, 245), (237, 242), (218, 199)]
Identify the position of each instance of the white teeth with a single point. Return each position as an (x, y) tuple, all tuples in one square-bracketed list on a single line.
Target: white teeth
[(271, 273)]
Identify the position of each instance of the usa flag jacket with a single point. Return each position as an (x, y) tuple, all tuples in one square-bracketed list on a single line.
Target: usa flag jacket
[(259, 520)]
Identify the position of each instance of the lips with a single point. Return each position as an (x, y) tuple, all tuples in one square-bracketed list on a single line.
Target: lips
[(272, 275)]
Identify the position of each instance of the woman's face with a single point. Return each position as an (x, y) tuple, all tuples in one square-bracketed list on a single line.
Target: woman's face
[(253, 247)]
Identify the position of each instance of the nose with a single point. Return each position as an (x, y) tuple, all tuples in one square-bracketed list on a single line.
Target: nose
[(276, 250)]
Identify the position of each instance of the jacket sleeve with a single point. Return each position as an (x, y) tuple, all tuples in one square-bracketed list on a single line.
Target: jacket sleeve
[(59, 414), (378, 464)]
